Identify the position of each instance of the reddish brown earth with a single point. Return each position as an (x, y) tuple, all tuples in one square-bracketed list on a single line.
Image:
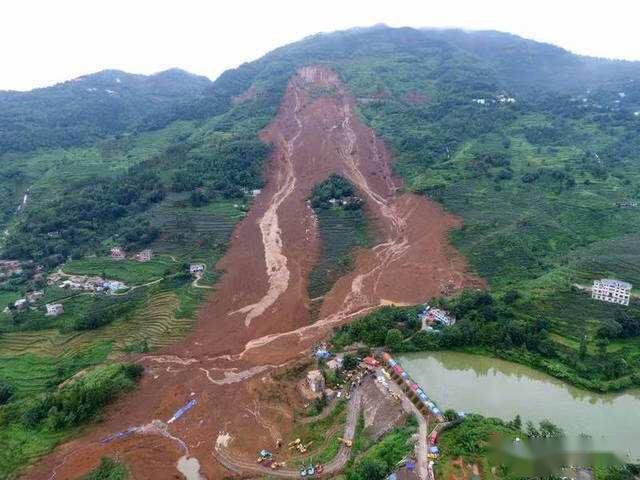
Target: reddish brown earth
[(256, 323)]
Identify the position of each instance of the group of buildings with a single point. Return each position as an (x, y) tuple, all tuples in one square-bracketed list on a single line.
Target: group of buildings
[(423, 398), (52, 309), (85, 283), (10, 267), (145, 255)]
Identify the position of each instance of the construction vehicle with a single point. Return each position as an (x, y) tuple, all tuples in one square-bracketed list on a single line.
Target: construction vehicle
[(298, 445), (294, 444), (345, 442), (303, 448), (265, 454)]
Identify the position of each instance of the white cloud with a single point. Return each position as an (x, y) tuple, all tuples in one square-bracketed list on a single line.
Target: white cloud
[(44, 42)]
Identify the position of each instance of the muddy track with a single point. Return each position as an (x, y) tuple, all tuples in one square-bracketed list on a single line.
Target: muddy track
[(256, 321)]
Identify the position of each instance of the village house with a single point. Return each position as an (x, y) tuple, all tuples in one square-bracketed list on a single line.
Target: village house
[(611, 290), (429, 315), (315, 380), (335, 364), (33, 297), (113, 286), (144, 255), (196, 268), (117, 254), (20, 304), (54, 309)]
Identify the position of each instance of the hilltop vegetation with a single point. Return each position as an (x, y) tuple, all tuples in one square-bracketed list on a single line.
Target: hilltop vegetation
[(87, 108)]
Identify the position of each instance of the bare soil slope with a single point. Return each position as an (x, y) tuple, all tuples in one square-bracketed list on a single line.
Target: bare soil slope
[(256, 322)]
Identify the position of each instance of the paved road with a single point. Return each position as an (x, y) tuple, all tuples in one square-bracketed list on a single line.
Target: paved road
[(334, 466), (422, 448)]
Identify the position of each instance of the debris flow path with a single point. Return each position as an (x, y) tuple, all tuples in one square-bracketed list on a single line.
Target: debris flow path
[(255, 323)]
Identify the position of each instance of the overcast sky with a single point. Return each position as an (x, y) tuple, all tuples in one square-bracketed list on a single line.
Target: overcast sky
[(48, 41)]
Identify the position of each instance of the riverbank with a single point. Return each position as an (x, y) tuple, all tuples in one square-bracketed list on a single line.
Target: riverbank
[(493, 325), (497, 388)]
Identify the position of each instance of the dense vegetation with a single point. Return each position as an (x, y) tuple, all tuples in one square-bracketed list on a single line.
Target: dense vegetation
[(90, 107), (335, 188), (33, 425), (377, 461)]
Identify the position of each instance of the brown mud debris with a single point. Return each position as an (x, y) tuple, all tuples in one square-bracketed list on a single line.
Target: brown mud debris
[(256, 322)]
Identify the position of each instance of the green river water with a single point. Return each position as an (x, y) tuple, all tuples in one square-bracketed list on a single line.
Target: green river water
[(496, 388)]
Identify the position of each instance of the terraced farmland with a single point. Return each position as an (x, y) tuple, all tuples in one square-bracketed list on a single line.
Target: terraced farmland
[(341, 231), (185, 227), (156, 322)]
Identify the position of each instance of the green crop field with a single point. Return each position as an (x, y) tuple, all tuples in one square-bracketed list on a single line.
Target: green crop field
[(131, 272)]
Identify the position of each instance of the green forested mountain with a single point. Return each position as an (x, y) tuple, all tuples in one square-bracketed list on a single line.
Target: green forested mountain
[(87, 108)]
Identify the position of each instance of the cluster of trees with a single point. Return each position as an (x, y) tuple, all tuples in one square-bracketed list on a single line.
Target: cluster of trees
[(382, 458), (79, 401), (86, 214), (91, 107), (624, 324), (6, 391), (225, 167), (108, 469), (481, 320), (335, 187)]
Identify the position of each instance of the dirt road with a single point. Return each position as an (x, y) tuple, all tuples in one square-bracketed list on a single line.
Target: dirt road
[(256, 321)]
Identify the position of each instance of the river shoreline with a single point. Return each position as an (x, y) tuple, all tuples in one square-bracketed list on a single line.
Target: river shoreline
[(498, 388)]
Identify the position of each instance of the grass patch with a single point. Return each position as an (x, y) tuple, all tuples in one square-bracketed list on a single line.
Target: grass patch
[(324, 434), (129, 271)]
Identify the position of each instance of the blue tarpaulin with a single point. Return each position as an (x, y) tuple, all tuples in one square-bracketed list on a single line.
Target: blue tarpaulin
[(181, 411), (321, 353), (118, 436)]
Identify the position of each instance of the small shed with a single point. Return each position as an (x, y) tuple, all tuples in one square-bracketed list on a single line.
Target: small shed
[(54, 309)]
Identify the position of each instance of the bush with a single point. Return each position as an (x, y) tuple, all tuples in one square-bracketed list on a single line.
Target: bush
[(6, 391), (79, 401), (109, 469), (393, 339)]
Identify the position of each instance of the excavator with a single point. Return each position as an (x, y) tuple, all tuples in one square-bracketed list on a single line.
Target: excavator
[(298, 445)]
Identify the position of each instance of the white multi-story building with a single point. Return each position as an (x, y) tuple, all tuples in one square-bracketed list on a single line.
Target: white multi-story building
[(611, 290)]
